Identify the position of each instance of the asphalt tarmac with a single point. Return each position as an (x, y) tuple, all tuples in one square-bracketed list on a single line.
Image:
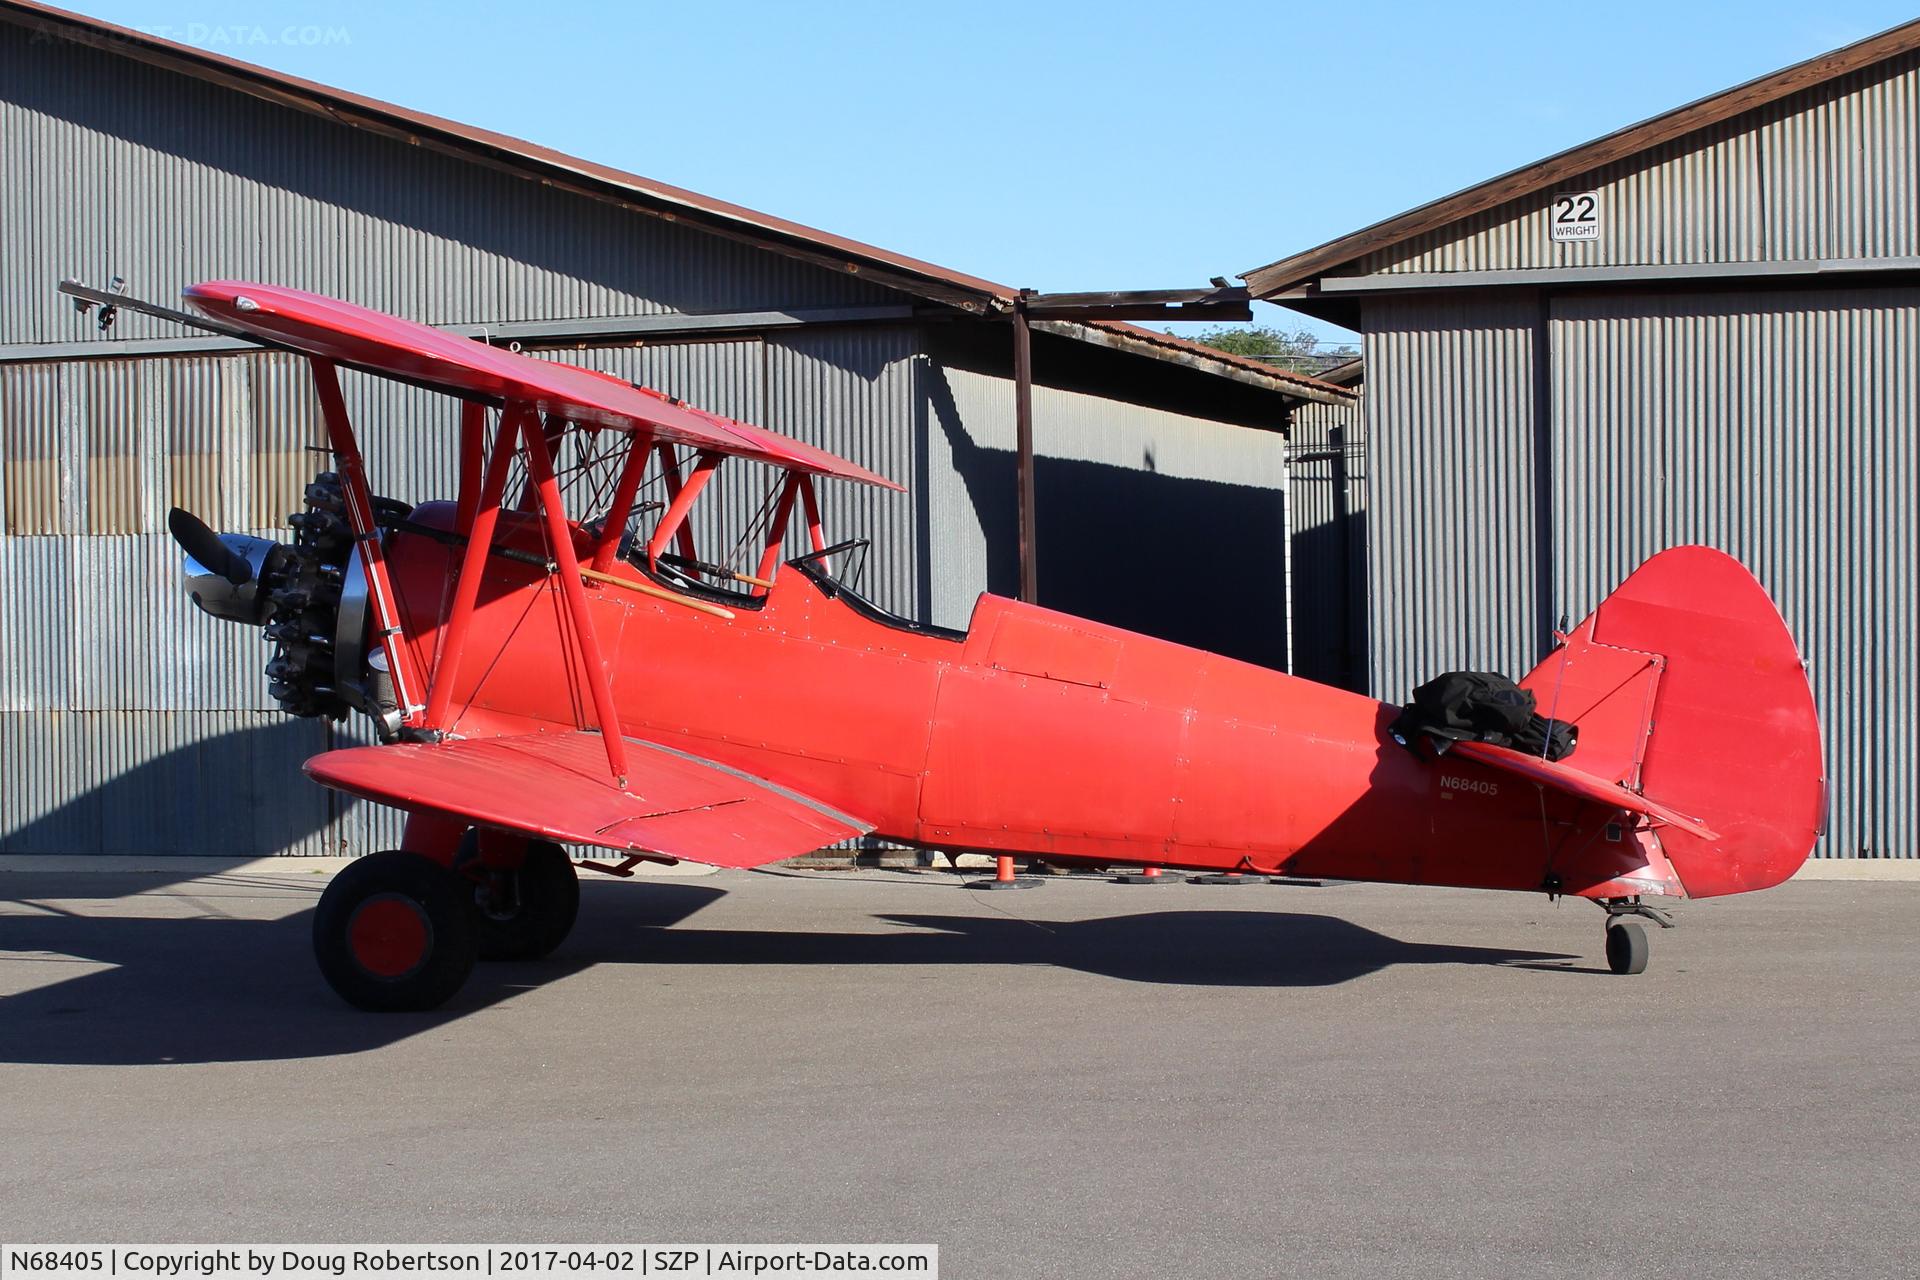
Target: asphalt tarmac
[(1082, 1080)]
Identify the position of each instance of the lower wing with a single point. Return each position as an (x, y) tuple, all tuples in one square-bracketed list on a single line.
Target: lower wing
[(555, 785)]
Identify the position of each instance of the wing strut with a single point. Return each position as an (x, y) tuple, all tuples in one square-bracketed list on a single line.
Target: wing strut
[(670, 477), (473, 445), (816, 533), (359, 499), (621, 509), (777, 531), (473, 565), (547, 491), (675, 521)]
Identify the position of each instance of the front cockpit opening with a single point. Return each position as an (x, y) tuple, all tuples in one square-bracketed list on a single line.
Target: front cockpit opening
[(725, 539)]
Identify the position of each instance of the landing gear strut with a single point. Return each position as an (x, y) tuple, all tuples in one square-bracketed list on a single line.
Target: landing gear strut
[(1628, 947), (520, 912)]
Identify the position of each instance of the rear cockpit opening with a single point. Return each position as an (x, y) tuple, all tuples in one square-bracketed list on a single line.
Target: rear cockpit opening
[(851, 557)]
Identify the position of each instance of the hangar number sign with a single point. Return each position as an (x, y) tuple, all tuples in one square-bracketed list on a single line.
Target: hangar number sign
[(1576, 216)]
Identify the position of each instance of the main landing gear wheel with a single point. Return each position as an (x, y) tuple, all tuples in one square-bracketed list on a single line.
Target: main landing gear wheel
[(394, 932), (1627, 947), (525, 912)]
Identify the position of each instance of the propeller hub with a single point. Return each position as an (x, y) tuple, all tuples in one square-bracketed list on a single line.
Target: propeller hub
[(215, 592)]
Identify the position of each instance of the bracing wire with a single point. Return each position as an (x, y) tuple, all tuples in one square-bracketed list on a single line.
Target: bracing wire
[(606, 475), (758, 525)]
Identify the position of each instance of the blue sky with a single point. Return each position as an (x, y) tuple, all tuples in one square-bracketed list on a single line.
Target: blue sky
[(1111, 145)]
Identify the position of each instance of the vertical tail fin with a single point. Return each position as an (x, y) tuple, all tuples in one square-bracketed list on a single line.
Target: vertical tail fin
[(1688, 688)]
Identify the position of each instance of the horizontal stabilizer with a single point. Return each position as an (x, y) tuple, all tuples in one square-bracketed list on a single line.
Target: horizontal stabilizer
[(555, 785), (1562, 776)]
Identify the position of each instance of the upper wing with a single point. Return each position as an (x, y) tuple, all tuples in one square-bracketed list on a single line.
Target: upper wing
[(384, 344), (1576, 782), (555, 785)]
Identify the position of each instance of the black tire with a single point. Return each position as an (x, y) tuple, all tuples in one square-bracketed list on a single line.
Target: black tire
[(523, 914), (1627, 947), (393, 932)]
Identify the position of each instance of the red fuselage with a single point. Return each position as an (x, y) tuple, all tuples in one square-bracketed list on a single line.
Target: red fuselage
[(1036, 733)]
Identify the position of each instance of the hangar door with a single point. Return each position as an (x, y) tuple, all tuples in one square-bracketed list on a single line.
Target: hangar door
[(1779, 427)]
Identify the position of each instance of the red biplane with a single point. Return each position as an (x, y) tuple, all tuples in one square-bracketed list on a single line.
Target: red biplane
[(540, 676)]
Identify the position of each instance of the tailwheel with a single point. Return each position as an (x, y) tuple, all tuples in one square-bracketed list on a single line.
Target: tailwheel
[(1627, 947), (523, 912), (394, 932)]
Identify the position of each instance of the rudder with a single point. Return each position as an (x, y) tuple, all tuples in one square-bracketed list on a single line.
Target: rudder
[(1688, 688)]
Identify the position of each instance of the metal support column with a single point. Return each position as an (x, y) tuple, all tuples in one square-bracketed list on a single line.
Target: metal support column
[(1023, 432)]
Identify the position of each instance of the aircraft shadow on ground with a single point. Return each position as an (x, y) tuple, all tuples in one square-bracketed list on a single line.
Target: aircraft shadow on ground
[(1178, 948), (218, 989)]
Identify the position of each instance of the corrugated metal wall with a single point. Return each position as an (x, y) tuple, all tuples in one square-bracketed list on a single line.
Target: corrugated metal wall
[(1776, 426), (1527, 451), (852, 392), (1780, 428), (1327, 493), (1833, 172), (99, 154), (1449, 414), (130, 723)]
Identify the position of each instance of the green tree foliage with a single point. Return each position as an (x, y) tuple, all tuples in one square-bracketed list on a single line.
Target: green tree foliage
[(1299, 350)]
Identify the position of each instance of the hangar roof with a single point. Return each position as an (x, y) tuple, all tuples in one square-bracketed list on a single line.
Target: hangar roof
[(1292, 272), (894, 270)]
